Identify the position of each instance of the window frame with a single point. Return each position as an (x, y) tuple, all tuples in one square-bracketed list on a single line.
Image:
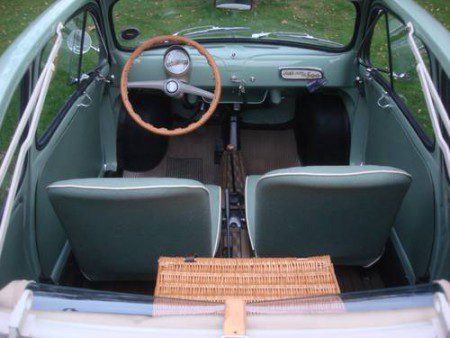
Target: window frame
[(346, 48), (80, 85), (364, 58)]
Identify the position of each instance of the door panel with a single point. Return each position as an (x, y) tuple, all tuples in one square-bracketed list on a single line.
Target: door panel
[(73, 152), (15, 261), (392, 141), (399, 134), (70, 141)]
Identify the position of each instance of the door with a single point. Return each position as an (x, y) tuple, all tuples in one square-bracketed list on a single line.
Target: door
[(400, 135), (68, 140)]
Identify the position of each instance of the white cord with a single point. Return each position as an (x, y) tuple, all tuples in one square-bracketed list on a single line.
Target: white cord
[(435, 106)]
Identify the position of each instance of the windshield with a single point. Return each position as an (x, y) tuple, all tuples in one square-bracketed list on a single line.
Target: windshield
[(325, 23)]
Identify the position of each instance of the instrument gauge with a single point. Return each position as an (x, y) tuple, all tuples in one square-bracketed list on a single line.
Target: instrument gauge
[(177, 61)]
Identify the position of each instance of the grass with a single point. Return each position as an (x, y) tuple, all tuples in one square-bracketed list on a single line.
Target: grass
[(440, 9), (15, 15), (166, 17), (14, 18)]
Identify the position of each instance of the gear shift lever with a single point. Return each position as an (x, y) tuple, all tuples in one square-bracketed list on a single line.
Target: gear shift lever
[(233, 141)]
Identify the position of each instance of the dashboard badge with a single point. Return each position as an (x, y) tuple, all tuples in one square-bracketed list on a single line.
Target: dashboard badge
[(305, 74)]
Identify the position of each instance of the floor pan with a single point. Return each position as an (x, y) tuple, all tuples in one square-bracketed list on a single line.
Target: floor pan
[(192, 156), (267, 150), (352, 279)]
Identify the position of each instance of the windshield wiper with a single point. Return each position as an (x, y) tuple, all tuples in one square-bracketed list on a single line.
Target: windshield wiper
[(301, 36), (202, 30)]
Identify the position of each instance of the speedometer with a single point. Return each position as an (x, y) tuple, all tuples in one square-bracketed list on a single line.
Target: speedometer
[(177, 61)]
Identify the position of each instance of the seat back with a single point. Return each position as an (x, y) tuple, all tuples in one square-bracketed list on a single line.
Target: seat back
[(118, 227), (344, 211)]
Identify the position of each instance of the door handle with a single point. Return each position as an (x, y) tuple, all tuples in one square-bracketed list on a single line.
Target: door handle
[(384, 101), (86, 101)]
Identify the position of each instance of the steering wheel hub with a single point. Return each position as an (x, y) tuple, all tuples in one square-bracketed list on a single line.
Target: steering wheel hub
[(172, 86)]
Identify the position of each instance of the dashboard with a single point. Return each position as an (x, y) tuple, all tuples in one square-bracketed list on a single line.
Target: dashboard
[(253, 68)]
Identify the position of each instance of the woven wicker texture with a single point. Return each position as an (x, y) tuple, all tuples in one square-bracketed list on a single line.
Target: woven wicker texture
[(252, 279)]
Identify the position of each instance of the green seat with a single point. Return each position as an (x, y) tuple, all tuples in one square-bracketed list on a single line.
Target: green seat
[(343, 211), (118, 227)]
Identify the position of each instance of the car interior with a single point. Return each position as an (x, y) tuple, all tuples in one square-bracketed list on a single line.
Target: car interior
[(189, 147)]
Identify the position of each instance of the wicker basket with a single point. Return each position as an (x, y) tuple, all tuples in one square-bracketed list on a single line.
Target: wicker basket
[(252, 279)]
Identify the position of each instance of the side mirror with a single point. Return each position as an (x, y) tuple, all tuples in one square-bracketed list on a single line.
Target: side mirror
[(240, 5), (74, 42)]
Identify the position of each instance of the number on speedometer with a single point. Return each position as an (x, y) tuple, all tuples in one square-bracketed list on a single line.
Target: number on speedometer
[(177, 61)]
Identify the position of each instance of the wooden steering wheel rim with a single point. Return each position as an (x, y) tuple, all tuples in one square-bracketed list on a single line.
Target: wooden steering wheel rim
[(164, 131)]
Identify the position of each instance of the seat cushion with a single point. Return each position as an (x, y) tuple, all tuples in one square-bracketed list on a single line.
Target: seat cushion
[(344, 211), (118, 227)]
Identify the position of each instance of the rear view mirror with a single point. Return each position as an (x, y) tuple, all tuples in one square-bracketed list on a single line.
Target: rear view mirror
[(240, 5), (74, 42)]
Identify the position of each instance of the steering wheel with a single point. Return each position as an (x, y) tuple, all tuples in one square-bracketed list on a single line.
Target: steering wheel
[(172, 87)]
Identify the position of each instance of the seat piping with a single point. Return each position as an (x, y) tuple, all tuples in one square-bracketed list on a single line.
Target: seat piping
[(246, 214), (92, 187), (336, 174), (216, 244)]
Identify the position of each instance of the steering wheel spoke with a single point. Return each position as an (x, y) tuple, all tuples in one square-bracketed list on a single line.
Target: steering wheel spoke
[(147, 85), (172, 87), (189, 89)]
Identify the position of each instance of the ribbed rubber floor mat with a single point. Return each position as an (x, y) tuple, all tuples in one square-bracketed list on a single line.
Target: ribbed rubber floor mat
[(189, 156), (266, 150), (191, 168), (192, 155)]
